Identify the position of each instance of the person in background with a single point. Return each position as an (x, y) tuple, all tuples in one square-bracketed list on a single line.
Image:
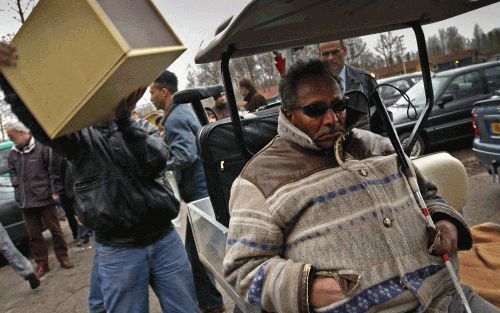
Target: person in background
[(63, 187), (19, 263), (29, 169), (220, 107), (181, 127), (353, 78), (212, 117), (253, 99)]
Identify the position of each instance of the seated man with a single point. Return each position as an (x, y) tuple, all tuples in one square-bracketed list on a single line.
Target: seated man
[(323, 219)]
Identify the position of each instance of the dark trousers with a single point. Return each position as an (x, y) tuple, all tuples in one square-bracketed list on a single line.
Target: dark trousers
[(67, 205), (33, 219), (206, 292)]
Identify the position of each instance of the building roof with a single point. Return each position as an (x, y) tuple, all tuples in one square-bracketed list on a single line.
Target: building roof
[(454, 56), (411, 66), (414, 65)]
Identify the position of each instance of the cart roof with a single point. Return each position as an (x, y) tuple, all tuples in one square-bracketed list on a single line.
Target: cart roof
[(266, 25)]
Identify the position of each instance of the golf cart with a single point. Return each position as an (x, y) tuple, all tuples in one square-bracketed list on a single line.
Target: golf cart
[(264, 26)]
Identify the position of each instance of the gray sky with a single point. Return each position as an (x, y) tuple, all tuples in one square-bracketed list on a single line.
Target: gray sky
[(195, 20)]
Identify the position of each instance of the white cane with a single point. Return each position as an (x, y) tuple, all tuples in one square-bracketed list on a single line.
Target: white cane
[(412, 180)]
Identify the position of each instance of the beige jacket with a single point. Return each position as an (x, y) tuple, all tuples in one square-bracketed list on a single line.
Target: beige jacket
[(296, 214)]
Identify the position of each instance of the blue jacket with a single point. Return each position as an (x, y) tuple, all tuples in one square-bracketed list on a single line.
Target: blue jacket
[(181, 129)]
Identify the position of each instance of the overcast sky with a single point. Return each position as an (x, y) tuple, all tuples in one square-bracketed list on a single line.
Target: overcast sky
[(195, 20)]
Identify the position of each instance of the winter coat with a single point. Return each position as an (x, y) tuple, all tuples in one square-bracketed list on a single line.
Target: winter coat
[(29, 169), (181, 129), (358, 79), (115, 169), (297, 214), (61, 176), (254, 101)]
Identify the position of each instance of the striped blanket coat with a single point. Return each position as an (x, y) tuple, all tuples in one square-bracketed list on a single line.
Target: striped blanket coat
[(295, 211)]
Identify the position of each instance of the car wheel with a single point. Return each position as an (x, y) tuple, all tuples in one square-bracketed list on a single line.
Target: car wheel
[(418, 148)]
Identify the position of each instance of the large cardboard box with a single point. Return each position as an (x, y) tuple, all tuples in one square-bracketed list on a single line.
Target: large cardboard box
[(79, 58)]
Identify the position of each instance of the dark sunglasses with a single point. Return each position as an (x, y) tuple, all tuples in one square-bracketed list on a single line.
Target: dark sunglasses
[(319, 108)]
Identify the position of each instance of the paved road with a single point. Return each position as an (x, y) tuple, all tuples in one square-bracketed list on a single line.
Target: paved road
[(66, 290), (484, 196)]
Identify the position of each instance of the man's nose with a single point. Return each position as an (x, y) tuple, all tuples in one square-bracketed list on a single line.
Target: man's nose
[(329, 118)]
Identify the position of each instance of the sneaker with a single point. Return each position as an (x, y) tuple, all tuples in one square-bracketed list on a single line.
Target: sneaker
[(33, 280)]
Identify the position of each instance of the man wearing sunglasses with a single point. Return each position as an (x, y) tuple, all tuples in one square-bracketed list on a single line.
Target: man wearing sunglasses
[(322, 220), (352, 78)]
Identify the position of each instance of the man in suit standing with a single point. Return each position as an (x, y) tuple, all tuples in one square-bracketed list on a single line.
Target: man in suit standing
[(353, 78)]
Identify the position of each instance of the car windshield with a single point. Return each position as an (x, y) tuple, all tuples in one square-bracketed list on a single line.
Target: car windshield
[(417, 92)]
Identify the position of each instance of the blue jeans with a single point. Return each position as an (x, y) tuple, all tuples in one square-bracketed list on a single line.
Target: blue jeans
[(19, 263), (126, 274), (96, 299)]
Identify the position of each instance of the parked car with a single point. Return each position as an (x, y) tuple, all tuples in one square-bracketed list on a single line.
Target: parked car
[(10, 215), (486, 144), (493, 58), (404, 82), (455, 91)]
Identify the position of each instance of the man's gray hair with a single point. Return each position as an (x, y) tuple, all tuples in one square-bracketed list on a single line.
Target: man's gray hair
[(18, 127)]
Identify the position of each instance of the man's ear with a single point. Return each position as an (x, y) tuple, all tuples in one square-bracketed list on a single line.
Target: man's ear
[(165, 92)]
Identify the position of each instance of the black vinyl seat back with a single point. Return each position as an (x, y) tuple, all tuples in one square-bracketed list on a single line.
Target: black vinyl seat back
[(222, 158)]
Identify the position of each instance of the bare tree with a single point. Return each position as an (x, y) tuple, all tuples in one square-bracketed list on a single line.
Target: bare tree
[(494, 38), (20, 9), (477, 38), (358, 53), (454, 41), (434, 46), (207, 74), (390, 48), (443, 40), (259, 68)]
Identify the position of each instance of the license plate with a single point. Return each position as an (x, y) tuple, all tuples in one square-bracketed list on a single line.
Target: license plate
[(495, 128)]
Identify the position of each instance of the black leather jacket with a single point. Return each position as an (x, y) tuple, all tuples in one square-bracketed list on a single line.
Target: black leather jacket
[(358, 79), (116, 166)]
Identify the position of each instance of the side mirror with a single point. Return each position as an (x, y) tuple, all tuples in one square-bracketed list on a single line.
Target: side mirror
[(447, 97)]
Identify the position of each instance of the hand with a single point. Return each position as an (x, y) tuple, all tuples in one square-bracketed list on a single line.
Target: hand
[(55, 197), (8, 55), (449, 238), (325, 291), (128, 104)]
